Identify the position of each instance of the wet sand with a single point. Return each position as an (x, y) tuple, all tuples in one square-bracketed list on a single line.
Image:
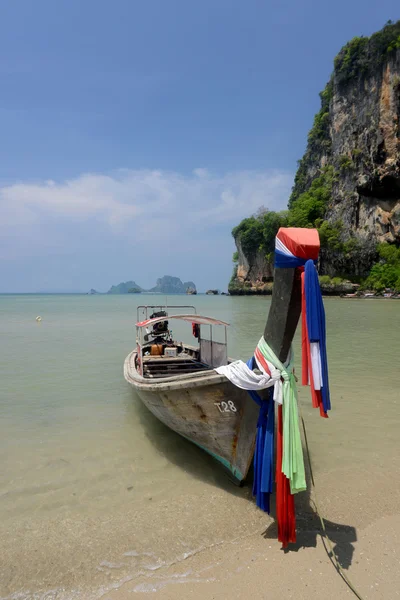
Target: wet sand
[(255, 565), (256, 568)]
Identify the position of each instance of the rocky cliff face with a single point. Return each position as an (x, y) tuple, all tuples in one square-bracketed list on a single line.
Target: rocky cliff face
[(365, 133), (254, 272), (348, 181)]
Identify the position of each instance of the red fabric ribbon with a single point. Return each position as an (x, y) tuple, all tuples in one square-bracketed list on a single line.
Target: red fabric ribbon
[(285, 514), (306, 369)]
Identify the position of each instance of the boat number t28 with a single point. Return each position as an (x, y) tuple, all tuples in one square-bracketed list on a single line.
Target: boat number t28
[(226, 406)]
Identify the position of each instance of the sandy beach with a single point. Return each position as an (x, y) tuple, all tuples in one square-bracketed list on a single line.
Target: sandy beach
[(255, 566)]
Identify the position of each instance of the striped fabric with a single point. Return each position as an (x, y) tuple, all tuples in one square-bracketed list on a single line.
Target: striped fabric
[(294, 246), (297, 247)]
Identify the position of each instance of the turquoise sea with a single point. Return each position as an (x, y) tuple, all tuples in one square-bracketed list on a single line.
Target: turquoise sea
[(94, 491)]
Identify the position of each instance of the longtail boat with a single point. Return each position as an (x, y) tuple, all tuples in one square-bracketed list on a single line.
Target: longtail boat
[(178, 382)]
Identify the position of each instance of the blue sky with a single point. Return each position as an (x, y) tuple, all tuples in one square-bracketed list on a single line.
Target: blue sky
[(135, 135)]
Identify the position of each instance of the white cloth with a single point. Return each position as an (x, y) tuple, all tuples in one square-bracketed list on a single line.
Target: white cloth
[(316, 365), (240, 375), (276, 377)]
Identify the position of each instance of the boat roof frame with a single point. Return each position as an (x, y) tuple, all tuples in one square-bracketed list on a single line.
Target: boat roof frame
[(166, 307), (199, 319)]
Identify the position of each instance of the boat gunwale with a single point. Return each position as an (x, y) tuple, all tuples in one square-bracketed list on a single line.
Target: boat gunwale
[(175, 382)]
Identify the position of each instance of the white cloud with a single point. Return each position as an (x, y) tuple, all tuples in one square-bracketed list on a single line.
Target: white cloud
[(202, 173), (137, 203)]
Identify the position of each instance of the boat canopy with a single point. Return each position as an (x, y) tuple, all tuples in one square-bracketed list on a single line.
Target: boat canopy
[(189, 318)]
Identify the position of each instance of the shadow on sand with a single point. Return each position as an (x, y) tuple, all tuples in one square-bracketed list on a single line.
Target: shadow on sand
[(182, 453), (309, 527), (198, 463)]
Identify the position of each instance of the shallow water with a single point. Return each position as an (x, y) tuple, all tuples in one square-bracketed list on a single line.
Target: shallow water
[(94, 490)]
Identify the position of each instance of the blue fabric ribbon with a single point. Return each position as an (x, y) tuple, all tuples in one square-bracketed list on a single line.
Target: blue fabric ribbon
[(315, 314), (264, 450), (283, 261)]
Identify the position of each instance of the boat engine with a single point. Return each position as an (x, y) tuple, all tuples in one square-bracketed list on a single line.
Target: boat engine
[(160, 328)]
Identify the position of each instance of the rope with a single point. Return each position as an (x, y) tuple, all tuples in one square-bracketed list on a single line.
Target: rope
[(334, 559)]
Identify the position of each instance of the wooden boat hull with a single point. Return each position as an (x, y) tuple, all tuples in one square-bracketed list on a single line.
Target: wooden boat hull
[(206, 409)]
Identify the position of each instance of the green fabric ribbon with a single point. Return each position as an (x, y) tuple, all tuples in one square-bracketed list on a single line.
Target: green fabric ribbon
[(292, 459)]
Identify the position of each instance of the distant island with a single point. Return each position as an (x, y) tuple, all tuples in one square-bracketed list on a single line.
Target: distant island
[(164, 285), (172, 285), (123, 288)]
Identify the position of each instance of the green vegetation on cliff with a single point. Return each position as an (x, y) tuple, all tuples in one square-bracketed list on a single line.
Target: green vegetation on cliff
[(386, 272), (311, 205), (362, 54), (257, 233), (319, 132), (319, 142)]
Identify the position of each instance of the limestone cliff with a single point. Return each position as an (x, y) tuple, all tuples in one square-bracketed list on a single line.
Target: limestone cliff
[(348, 181), (365, 134), (254, 272), (254, 238), (357, 135)]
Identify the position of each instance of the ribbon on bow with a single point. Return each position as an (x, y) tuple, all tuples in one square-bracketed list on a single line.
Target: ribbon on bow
[(293, 250)]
